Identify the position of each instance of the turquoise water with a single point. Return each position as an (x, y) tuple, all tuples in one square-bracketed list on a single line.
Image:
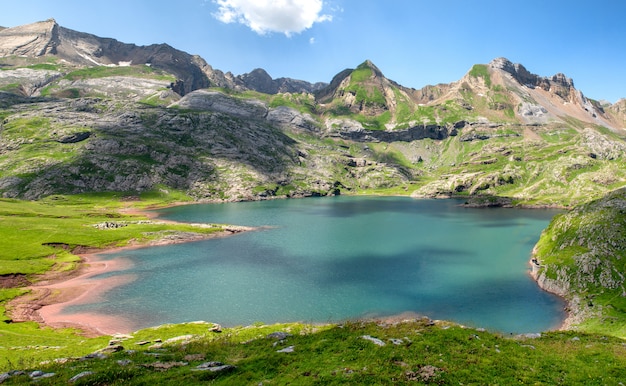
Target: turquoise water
[(332, 259)]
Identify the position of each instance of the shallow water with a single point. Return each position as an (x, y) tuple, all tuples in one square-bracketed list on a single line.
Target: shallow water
[(331, 259)]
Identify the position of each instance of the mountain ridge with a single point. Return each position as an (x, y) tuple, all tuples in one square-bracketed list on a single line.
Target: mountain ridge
[(193, 72), (135, 126), (49, 38)]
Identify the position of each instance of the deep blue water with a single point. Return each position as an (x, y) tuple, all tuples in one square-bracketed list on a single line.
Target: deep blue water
[(332, 259)]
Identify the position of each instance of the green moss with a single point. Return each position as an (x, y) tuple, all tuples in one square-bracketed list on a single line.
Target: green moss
[(105, 71), (44, 66), (481, 71)]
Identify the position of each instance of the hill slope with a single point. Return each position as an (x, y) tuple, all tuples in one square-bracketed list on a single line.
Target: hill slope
[(82, 113)]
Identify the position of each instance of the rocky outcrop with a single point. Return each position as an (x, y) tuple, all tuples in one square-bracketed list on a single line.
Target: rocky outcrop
[(259, 80), (30, 81), (48, 38), (35, 39), (559, 83), (222, 103), (287, 117), (354, 131), (579, 256)]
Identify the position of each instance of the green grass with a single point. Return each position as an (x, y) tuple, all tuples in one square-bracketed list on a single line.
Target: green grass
[(584, 251), (105, 71), (481, 71), (300, 102), (32, 230), (44, 66), (424, 353)]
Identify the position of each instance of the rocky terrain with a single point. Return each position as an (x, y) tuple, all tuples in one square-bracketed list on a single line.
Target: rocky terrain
[(80, 49), (581, 257), (80, 113)]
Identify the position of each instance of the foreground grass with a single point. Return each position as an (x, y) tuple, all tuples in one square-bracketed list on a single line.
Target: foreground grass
[(417, 351)]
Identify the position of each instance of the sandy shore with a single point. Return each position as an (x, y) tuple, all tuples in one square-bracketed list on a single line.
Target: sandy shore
[(47, 299)]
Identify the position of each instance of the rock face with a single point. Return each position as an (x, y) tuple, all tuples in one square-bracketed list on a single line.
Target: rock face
[(29, 80), (48, 38), (541, 100), (558, 84), (579, 255), (74, 119), (259, 80), (219, 102), (35, 39), (354, 131)]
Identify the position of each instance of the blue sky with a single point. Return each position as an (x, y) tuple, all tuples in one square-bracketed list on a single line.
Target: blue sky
[(414, 42)]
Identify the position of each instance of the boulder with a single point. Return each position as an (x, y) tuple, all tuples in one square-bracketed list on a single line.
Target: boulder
[(222, 103)]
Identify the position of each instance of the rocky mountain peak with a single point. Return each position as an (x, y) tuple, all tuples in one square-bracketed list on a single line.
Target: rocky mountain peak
[(259, 80), (519, 72), (370, 65), (526, 78), (32, 40)]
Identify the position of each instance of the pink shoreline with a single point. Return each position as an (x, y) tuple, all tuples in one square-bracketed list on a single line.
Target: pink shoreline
[(52, 298), (83, 289)]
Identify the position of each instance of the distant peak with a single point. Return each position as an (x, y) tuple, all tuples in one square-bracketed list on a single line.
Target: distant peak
[(369, 64), (523, 76), (505, 64), (36, 39)]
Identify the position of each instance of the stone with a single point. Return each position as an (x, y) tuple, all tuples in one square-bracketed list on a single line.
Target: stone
[(216, 328), (80, 375), (376, 341), (165, 365), (38, 374), (530, 335), (95, 355), (111, 349), (287, 349), (214, 367), (278, 335)]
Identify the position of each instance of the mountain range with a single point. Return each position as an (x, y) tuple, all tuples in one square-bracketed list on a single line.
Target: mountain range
[(82, 113)]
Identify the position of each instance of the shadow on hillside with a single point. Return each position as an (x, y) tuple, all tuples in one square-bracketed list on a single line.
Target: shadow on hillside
[(137, 148)]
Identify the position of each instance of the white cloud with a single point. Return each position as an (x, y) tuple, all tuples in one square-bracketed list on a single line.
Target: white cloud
[(263, 16)]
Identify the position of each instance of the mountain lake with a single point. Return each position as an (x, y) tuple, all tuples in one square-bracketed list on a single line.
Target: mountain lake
[(331, 259)]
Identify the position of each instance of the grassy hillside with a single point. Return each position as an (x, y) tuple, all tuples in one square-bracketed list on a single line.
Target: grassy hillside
[(582, 256), (364, 353), (40, 235), (552, 165)]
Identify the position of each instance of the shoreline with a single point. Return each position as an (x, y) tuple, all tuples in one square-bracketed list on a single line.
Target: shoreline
[(47, 298), (570, 317)]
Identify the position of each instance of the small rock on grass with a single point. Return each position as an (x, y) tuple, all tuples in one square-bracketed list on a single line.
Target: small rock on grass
[(214, 367), (80, 375), (278, 335), (376, 341)]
